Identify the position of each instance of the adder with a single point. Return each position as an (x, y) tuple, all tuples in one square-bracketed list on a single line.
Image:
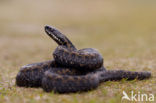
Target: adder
[(71, 70)]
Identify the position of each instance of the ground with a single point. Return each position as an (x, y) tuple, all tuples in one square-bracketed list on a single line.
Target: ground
[(124, 32)]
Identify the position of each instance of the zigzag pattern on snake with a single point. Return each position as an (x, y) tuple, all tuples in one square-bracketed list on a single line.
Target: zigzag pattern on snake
[(71, 70)]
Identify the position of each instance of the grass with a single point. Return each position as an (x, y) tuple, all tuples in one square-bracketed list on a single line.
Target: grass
[(123, 31)]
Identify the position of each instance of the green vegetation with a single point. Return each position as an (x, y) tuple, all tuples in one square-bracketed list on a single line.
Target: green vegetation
[(123, 31)]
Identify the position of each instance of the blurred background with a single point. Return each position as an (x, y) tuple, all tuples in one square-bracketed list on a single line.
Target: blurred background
[(123, 31), (116, 28)]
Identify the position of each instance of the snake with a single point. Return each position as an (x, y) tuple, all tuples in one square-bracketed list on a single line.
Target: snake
[(71, 70)]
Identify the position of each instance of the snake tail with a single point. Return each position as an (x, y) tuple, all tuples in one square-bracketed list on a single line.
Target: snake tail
[(115, 75)]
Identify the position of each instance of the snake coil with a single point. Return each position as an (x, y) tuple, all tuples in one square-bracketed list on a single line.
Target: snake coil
[(71, 70)]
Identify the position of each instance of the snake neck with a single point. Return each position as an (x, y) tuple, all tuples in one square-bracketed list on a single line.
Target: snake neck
[(69, 45)]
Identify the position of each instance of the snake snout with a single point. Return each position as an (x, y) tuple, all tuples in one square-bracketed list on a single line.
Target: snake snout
[(49, 28)]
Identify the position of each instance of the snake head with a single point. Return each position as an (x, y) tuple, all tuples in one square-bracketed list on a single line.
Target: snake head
[(58, 37)]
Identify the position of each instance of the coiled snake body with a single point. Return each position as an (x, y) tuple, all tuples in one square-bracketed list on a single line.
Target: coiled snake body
[(71, 70)]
